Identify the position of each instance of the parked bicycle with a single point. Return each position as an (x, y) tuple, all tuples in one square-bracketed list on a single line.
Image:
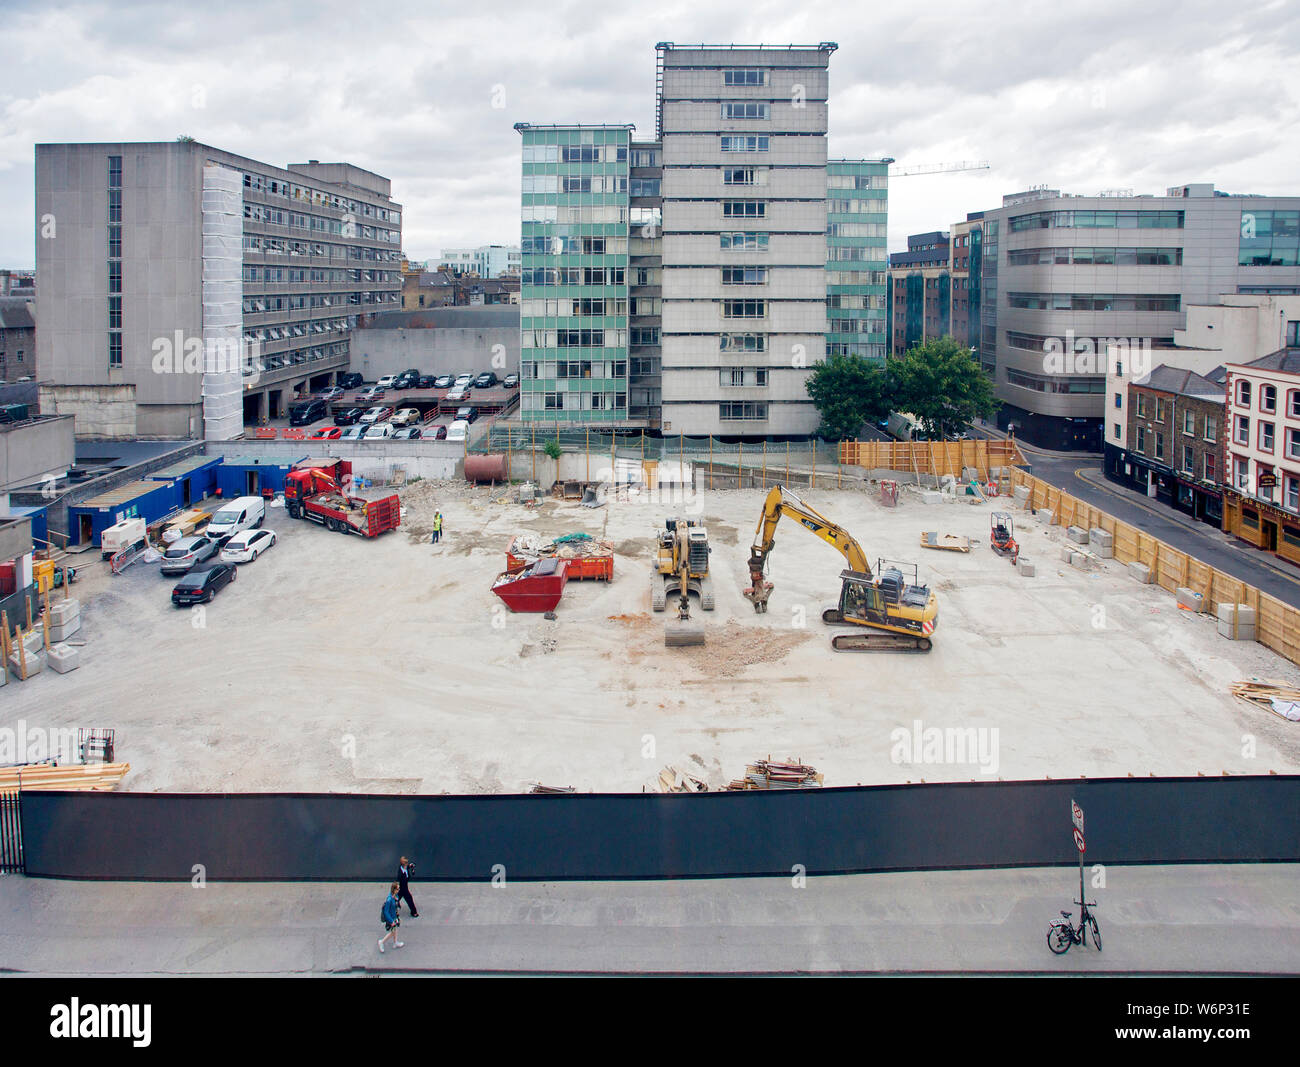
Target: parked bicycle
[(1062, 934)]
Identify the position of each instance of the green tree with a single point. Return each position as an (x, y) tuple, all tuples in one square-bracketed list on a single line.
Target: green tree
[(942, 385), (552, 448), (848, 391)]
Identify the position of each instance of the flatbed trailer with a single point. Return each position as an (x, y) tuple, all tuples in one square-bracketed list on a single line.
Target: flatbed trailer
[(311, 493)]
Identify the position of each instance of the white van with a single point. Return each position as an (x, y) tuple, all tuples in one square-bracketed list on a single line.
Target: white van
[(242, 513), (458, 431)]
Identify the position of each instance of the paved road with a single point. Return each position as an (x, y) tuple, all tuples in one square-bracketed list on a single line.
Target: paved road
[(1222, 919)]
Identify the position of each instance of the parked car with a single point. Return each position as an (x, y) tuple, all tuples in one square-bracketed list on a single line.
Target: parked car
[(354, 433), (372, 392), (407, 417), (351, 380), (408, 433), (486, 380), (380, 430), (407, 379), (242, 513), (458, 430), (461, 392), (247, 546), (440, 433), (464, 381), (388, 381), (425, 381), (349, 417), (187, 552), (510, 381), (468, 414), (444, 381), (332, 393), (325, 433), (199, 587), (378, 413), (306, 413)]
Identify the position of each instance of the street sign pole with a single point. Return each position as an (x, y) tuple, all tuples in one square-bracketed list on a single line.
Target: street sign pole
[(1076, 816)]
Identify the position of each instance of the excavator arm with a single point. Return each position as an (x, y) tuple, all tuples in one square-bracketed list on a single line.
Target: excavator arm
[(781, 502)]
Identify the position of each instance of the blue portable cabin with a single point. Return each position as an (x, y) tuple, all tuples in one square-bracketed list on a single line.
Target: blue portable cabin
[(192, 479), (146, 500), (254, 475), (40, 522)]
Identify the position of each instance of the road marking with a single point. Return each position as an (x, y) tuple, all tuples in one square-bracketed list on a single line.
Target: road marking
[(1148, 508)]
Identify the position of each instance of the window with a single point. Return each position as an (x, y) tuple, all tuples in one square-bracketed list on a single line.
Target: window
[(1243, 394), (1293, 444), (1242, 432), (1269, 239), (744, 275), (742, 342), (1142, 439), (115, 276), (1266, 436), (1268, 398), (744, 309), (1189, 459), (1189, 423), (745, 143), (742, 411), (738, 175), (1160, 410), (744, 77), (1241, 470), (115, 242), (746, 241), (115, 172), (1142, 405), (114, 312), (114, 349), (1211, 474), (1211, 429), (1115, 430), (745, 109), (744, 209), (1293, 404), (1119, 400), (1160, 446), (1292, 494)]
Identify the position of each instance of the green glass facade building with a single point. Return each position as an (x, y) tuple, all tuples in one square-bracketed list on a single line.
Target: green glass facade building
[(574, 274), (857, 260)]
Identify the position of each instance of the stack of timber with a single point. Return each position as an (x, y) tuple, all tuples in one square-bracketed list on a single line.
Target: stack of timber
[(100, 777), (671, 780), (1278, 697), (765, 774)]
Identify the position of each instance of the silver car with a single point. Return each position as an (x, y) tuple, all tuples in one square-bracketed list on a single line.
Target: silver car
[(181, 555)]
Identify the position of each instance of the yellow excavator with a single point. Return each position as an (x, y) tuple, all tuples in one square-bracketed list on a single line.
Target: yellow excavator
[(889, 613), (682, 566)]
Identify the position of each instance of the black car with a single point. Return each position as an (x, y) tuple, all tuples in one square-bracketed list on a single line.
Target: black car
[(349, 417), (351, 380), (199, 587), (306, 413), (485, 380), (469, 414), (425, 381), (444, 381)]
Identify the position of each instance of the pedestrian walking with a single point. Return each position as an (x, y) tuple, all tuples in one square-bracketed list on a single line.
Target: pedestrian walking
[(405, 869), (437, 527), (389, 917)]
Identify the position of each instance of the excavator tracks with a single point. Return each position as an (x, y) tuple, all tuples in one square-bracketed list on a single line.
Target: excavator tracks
[(880, 642)]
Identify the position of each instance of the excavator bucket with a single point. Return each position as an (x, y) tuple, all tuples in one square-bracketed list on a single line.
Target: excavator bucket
[(681, 633)]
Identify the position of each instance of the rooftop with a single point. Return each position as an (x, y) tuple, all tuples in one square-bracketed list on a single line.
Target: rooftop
[(1182, 382)]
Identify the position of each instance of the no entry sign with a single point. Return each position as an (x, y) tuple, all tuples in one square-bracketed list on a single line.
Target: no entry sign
[(1078, 840)]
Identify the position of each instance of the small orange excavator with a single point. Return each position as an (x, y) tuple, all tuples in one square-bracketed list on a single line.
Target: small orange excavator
[(1002, 535)]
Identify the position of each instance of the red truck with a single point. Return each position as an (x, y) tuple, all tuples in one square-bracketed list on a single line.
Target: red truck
[(312, 492)]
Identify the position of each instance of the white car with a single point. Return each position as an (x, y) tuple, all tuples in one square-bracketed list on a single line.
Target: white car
[(388, 381), (380, 430), (407, 417), (376, 413), (247, 546), (464, 381), (353, 433), (457, 394), (458, 430)]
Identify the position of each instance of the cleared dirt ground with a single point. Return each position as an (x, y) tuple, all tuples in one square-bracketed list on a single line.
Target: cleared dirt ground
[(336, 663)]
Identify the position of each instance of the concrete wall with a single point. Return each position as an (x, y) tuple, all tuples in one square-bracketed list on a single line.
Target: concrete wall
[(31, 451), (99, 411), (377, 351), (15, 537)]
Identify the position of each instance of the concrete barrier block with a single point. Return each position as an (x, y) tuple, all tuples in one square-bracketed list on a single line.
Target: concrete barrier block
[(1021, 496), (1102, 543), (34, 639), (1082, 561), (62, 631), (931, 497), (1077, 534), (1245, 619), (1188, 599), (63, 658), (1046, 515), (1067, 553), (1141, 572), (35, 664), (64, 610), (1025, 567)]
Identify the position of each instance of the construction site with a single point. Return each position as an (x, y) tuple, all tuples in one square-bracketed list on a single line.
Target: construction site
[(673, 638)]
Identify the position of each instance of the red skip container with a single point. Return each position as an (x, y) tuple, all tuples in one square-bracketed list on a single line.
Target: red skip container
[(535, 588)]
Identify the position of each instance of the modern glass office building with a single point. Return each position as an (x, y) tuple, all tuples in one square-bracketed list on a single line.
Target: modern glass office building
[(574, 279), (857, 206)]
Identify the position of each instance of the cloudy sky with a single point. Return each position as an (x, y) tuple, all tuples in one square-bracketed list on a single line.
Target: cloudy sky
[(1081, 97)]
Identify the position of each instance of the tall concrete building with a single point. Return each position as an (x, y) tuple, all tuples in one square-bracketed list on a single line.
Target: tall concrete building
[(1062, 276), (685, 281), (184, 291)]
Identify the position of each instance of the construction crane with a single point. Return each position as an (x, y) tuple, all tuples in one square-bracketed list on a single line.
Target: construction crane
[(898, 616), (938, 168)]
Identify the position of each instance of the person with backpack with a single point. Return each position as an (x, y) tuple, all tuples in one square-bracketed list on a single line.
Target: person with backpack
[(405, 869), (388, 916)]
